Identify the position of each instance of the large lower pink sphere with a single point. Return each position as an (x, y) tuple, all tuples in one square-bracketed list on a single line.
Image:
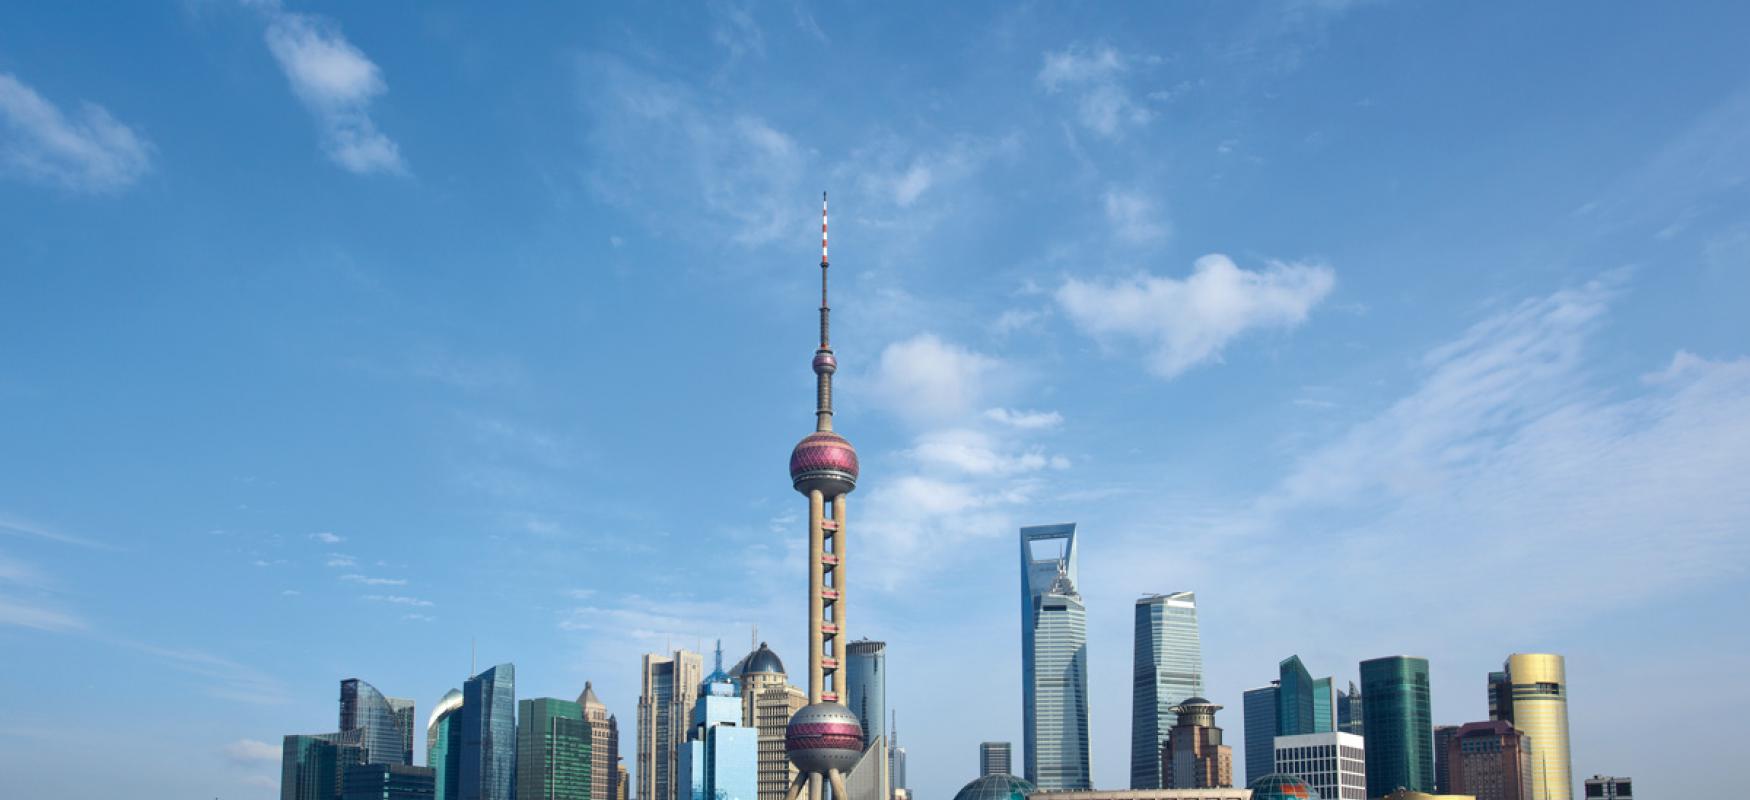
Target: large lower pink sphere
[(822, 737)]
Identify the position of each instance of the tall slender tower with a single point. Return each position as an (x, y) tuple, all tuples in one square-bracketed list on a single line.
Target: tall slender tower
[(824, 740)]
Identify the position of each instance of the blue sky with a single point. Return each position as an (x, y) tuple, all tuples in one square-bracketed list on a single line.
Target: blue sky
[(334, 337)]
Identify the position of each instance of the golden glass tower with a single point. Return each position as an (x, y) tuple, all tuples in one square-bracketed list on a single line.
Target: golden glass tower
[(1534, 687)]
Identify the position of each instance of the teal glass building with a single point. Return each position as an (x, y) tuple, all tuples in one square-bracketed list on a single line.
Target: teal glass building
[(553, 746), (312, 767), (1303, 704), (488, 762), (443, 746), (387, 782), (1399, 722), (1168, 669), (1054, 661)]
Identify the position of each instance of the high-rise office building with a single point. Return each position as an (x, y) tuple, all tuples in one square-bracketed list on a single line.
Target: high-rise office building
[(866, 685), (767, 703), (313, 767), (1349, 711), (1600, 787), (1303, 704), (488, 763), (385, 724), (1167, 669), (553, 750), (1324, 706), (1334, 764), (1488, 761), (1054, 665), (896, 761), (665, 707), (721, 757), (443, 746), (1531, 691), (604, 745), (1260, 730), (387, 782), (994, 758), (1193, 757), (1442, 768), (1399, 723)]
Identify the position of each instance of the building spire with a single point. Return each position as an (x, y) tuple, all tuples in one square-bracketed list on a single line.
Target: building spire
[(824, 361)]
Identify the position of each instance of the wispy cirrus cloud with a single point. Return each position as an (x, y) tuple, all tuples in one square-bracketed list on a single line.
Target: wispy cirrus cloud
[(1190, 321), (337, 83), (341, 560), (88, 151), (1094, 76), (327, 537), (399, 600), (250, 752), (370, 581)]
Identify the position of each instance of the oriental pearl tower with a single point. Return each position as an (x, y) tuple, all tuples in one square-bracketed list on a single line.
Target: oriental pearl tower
[(824, 740)]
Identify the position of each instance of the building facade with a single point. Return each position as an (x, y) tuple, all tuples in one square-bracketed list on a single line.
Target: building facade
[(1054, 666), (866, 686), (488, 763), (1531, 691), (553, 750), (1599, 787), (1400, 726), (665, 706), (1194, 757), (385, 724), (995, 758), (721, 757), (1260, 729), (1489, 761), (1228, 793), (443, 746), (1167, 669), (1350, 710), (312, 767), (1334, 764), (387, 782), (604, 745), (1442, 766)]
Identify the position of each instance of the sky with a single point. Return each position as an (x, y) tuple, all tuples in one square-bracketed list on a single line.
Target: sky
[(371, 339)]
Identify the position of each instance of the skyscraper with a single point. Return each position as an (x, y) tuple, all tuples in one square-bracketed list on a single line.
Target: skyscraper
[(1349, 711), (1332, 763), (721, 757), (1054, 665), (1399, 723), (866, 685), (604, 745), (1489, 761), (767, 702), (1193, 757), (1260, 724), (1324, 707), (824, 740), (381, 721), (553, 750), (1442, 772), (488, 763), (1294, 698), (386, 782), (896, 762), (312, 767), (1534, 689), (994, 759), (443, 746), (665, 706), (1168, 669)]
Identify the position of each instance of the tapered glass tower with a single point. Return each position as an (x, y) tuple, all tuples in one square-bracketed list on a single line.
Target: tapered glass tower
[(1054, 661), (488, 768), (824, 740), (1168, 670)]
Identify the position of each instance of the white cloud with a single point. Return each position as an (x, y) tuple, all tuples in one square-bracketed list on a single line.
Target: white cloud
[(1094, 75), (249, 752), (924, 378), (370, 581), (400, 600), (87, 152), (1015, 319), (1026, 420), (337, 82), (341, 560), (1184, 323), (21, 614), (326, 537), (1134, 216), (977, 453)]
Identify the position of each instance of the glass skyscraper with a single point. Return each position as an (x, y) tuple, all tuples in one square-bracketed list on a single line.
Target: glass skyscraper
[(386, 782), (443, 746), (489, 735), (1349, 711), (720, 759), (1260, 724), (385, 724), (1399, 724), (312, 767), (552, 750), (1303, 705), (1168, 669), (1054, 661), (866, 686)]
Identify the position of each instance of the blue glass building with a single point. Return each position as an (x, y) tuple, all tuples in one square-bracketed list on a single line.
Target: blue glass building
[(866, 686), (1260, 725), (1168, 669), (312, 767), (385, 729), (720, 760), (488, 762), (1054, 665)]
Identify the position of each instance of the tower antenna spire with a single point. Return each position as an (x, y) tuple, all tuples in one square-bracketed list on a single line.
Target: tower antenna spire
[(825, 363)]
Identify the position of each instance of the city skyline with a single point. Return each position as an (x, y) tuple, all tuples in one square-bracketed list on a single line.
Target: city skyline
[(404, 315)]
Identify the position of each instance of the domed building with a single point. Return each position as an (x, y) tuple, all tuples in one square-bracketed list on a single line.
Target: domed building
[(767, 703), (1279, 786), (996, 787)]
